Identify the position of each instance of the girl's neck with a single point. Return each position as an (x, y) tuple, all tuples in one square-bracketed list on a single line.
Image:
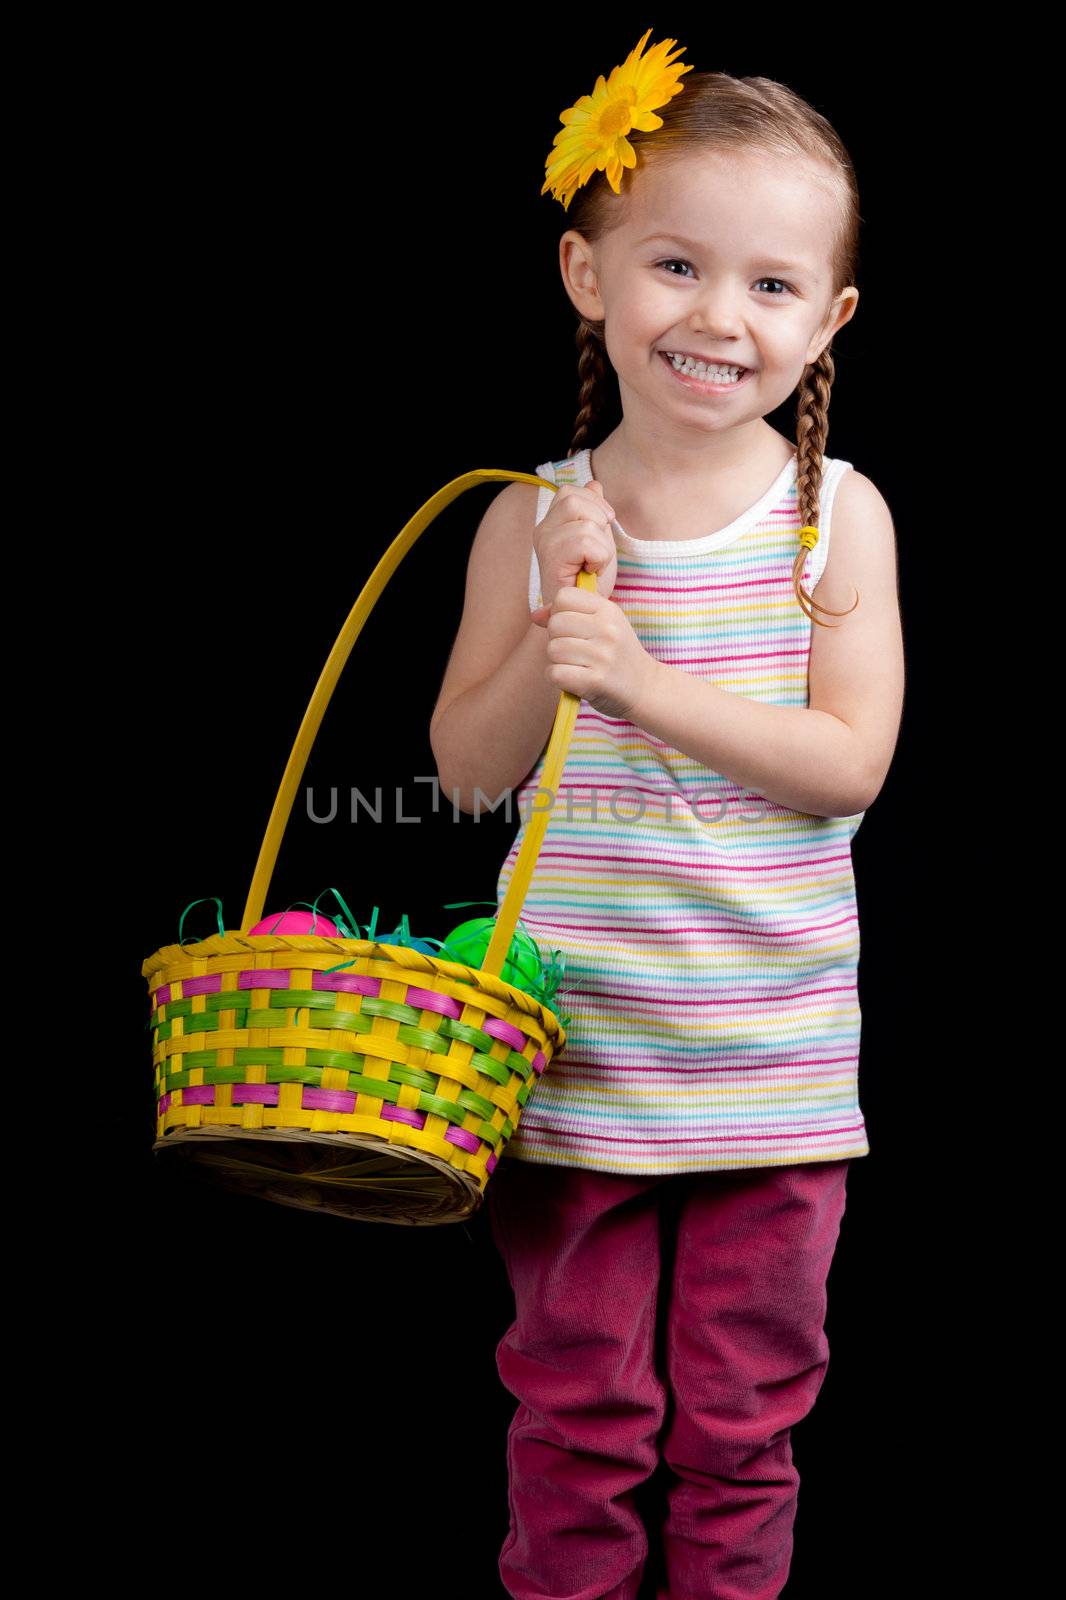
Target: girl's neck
[(680, 497)]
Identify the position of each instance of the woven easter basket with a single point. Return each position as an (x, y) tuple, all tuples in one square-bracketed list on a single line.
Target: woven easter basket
[(366, 1080)]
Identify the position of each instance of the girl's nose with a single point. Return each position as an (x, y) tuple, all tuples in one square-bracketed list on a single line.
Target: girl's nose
[(717, 313), (720, 323)]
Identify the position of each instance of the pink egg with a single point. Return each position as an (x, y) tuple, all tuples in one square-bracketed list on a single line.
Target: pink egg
[(297, 922)]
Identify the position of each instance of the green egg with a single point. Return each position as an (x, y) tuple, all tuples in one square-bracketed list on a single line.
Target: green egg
[(469, 943)]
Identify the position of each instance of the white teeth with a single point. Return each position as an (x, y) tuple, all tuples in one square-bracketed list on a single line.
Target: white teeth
[(700, 369)]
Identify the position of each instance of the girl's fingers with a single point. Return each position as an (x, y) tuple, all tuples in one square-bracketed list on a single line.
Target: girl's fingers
[(543, 614), (577, 503)]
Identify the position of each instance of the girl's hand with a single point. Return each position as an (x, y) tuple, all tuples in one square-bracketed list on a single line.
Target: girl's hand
[(575, 532), (594, 653)]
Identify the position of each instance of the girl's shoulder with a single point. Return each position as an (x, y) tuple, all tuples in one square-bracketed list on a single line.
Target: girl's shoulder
[(857, 499)]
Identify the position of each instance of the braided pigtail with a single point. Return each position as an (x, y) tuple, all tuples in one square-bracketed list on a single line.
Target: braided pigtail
[(812, 431), (592, 379)]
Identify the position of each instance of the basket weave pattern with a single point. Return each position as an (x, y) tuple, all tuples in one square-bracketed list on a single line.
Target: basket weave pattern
[(254, 1032)]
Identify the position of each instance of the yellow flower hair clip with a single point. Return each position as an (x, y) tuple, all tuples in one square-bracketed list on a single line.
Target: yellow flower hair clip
[(593, 135)]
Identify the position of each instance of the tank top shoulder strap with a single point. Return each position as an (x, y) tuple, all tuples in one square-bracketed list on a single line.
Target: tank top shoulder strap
[(571, 469), (544, 496), (833, 469)]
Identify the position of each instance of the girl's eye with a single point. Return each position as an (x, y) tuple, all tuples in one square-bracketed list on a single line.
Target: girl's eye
[(676, 261)]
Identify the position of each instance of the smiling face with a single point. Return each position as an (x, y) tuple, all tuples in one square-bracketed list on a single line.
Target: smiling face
[(723, 256)]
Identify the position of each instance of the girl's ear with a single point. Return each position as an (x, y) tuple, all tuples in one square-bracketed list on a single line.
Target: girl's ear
[(840, 311), (579, 275)]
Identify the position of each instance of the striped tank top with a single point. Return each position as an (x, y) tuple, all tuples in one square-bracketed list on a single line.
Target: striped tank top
[(710, 936)]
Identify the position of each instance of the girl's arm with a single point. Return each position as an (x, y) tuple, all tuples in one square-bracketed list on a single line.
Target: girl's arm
[(496, 705), (831, 757)]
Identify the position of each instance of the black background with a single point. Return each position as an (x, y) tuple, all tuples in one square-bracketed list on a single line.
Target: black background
[(332, 286)]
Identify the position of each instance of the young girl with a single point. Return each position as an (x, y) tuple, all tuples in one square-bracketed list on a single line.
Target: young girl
[(677, 1182)]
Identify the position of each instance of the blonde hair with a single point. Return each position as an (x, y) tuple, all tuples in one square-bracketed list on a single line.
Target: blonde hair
[(720, 112)]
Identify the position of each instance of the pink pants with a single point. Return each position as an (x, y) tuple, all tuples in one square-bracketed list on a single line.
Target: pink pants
[(744, 1352)]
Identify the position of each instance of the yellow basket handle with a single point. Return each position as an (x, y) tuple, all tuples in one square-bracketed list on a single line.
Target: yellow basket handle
[(558, 743)]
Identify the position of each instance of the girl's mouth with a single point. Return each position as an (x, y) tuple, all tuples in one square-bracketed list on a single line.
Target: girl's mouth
[(702, 386)]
